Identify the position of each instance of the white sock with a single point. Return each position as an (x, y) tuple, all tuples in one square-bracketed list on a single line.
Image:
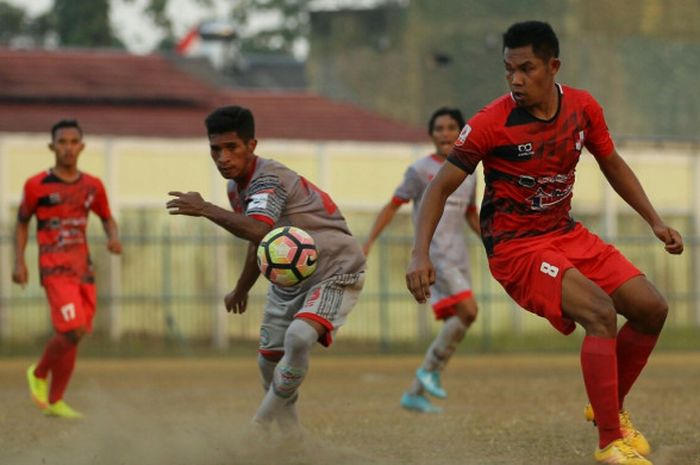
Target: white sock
[(289, 372)]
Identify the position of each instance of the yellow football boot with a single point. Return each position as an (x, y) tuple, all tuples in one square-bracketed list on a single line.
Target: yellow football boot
[(619, 452), (62, 410), (38, 388), (632, 436)]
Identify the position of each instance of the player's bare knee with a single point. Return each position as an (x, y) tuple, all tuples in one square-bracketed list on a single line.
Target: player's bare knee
[(656, 314), (599, 318), (467, 314)]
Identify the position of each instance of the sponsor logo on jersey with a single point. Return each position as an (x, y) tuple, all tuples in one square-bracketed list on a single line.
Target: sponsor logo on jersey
[(515, 152), (54, 198), (548, 197), (525, 150), (463, 135)]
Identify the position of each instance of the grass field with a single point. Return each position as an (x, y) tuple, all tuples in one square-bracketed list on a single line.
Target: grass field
[(502, 410)]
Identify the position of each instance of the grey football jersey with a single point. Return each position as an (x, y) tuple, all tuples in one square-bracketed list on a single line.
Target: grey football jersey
[(448, 248), (279, 196)]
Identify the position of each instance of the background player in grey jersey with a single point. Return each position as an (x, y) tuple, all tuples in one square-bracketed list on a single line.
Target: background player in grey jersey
[(452, 298), (266, 194)]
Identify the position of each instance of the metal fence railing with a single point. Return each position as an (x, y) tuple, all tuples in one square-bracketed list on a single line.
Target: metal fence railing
[(170, 285)]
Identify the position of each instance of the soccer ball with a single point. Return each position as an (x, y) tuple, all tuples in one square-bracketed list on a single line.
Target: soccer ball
[(287, 256)]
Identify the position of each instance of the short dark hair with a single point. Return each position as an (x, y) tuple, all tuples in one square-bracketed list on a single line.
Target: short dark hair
[(539, 34), (231, 119), (453, 113), (65, 123)]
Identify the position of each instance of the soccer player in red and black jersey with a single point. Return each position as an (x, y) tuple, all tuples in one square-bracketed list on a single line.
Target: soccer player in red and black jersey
[(61, 198), (529, 142)]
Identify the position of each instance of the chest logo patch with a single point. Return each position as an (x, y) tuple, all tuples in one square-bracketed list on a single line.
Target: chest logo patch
[(525, 150)]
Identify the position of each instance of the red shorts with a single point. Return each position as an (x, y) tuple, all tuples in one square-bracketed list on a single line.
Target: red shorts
[(531, 269), (72, 303)]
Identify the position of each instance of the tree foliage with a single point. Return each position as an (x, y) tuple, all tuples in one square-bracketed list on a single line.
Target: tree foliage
[(280, 36), (84, 23), (12, 21), (72, 23), (290, 23)]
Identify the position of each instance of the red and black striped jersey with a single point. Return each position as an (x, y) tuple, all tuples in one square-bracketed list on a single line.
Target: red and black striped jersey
[(529, 163), (61, 209)]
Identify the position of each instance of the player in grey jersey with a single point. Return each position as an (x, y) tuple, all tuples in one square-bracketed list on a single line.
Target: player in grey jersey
[(452, 297), (266, 194)]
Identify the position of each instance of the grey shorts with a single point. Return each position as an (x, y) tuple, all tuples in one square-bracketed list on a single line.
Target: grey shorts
[(451, 285), (328, 303)]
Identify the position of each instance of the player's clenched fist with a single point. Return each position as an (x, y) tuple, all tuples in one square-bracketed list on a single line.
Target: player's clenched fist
[(420, 275), (670, 237), (20, 274)]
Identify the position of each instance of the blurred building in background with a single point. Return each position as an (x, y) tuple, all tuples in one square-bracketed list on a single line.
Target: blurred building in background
[(640, 59)]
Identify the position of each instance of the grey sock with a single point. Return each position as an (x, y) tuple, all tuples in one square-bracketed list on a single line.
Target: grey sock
[(445, 344), (289, 372)]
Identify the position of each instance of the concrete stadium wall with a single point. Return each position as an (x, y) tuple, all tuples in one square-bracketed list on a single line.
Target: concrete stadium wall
[(174, 271)]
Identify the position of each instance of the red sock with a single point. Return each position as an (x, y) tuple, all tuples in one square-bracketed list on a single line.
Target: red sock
[(633, 350), (61, 373), (599, 366), (57, 346)]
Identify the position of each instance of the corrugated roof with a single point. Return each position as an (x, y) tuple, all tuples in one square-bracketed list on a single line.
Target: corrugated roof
[(97, 76), (299, 115), (114, 93)]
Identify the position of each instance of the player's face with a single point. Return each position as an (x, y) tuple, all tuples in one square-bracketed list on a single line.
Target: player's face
[(530, 78), (67, 145), (445, 132), (233, 156)]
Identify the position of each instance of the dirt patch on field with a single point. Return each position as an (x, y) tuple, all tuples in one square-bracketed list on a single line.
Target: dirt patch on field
[(501, 410)]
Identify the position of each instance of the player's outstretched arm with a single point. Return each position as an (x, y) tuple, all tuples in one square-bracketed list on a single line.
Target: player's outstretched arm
[(114, 245), (385, 216), (625, 182), (20, 274), (236, 301), (192, 204), (420, 273)]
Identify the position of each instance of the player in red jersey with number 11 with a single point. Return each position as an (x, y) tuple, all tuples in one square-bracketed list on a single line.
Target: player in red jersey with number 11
[(529, 142)]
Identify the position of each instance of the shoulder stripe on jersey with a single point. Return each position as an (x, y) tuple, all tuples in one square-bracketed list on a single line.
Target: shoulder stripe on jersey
[(454, 159)]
